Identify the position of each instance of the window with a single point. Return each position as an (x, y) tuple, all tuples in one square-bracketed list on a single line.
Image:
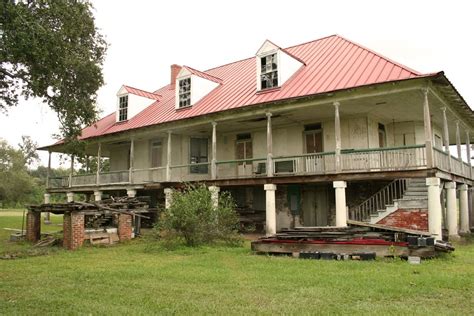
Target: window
[(244, 147), (184, 92), (123, 108), (382, 136), (313, 134), (268, 71), (156, 153), (198, 154)]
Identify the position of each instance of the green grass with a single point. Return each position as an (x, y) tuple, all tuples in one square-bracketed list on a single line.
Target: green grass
[(139, 278)]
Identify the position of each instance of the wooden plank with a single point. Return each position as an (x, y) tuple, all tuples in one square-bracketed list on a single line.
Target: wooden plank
[(389, 228)]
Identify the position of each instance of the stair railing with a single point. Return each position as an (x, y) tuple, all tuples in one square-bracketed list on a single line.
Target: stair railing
[(379, 201)]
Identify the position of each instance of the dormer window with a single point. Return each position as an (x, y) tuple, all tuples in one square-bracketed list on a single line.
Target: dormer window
[(184, 92), (123, 108), (269, 71)]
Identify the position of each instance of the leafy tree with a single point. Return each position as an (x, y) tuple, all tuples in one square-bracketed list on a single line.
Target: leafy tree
[(52, 50), (28, 148), (193, 218)]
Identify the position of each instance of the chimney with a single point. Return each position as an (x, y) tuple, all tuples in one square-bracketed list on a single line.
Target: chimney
[(174, 73)]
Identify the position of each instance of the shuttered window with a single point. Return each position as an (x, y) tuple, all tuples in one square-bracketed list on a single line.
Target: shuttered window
[(156, 153)]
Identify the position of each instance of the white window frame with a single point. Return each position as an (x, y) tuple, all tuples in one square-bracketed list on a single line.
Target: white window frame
[(122, 111), (190, 92), (259, 69)]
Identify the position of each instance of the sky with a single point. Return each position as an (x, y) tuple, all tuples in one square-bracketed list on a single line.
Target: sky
[(147, 36)]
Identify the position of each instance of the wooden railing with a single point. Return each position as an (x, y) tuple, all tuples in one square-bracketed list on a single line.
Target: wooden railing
[(360, 160), (379, 201)]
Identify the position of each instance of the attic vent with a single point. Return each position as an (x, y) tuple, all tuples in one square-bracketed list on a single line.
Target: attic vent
[(123, 108)]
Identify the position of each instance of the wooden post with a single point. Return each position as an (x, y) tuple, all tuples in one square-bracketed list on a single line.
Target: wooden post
[(71, 171), (214, 151), (48, 172), (130, 170), (468, 153), (428, 133), (99, 149), (337, 132), (269, 146), (458, 145), (87, 163), (168, 158), (446, 137)]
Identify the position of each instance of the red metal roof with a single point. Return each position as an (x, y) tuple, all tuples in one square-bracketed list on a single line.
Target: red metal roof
[(331, 63), (202, 74), (142, 93)]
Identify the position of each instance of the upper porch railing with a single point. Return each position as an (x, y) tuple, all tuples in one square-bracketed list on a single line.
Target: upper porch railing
[(364, 160)]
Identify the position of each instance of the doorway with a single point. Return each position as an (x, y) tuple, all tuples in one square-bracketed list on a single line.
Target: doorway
[(315, 206)]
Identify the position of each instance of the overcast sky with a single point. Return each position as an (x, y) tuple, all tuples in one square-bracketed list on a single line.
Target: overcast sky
[(146, 37)]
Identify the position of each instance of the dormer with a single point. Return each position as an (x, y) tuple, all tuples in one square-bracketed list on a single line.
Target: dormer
[(275, 66), (192, 85), (131, 101)]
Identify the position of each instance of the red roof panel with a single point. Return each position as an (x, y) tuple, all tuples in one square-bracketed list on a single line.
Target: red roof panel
[(331, 63)]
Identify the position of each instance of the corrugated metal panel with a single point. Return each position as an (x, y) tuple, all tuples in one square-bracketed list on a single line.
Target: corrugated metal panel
[(142, 93), (331, 63)]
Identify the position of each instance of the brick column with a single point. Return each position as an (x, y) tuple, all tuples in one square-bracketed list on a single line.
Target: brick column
[(73, 230), (33, 226), (124, 227)]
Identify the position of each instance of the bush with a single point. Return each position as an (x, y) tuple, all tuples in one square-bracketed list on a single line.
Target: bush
[(192, 218)]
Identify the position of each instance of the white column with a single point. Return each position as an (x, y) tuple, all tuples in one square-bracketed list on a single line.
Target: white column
[(428, 133), (214, 195), (168, 197), (70, 196), (47, 198), (337, 133), (434, 208), (48, 174), (269, 145), (214, 151), (130, 171), (71, 171), (270, 209), (47, 215), (341, 209), (131, 192), (168, 158), (97, 196), (451, 210), (468, 153), (99, 152), (463, 209), (446, 136)]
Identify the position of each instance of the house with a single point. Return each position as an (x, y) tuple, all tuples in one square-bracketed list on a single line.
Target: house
[(309, 135)]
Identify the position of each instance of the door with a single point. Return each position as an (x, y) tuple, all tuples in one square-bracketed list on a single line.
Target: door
[(199, 153), (315, 206), (243, 148)]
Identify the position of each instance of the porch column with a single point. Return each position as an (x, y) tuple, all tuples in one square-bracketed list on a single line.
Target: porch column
[(270, 209), (446, 136), (130, 171), (269, 145), (463, 209), (131, 193), (168, 158), (70, 196), (451, 210), (99, 149), (458, 144), (97, 196), (47, 215), (168, 197), (434, 208), (214, 152), (48, 172), (214, 195), (341, 208), (337, 133), (71, 170), (468, 153), (428, 133)]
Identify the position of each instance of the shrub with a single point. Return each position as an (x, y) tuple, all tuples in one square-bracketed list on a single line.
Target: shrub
[(193, 218)]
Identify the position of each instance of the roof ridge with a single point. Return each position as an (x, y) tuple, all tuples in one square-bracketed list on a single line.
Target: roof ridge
[(417, 73), (127, 86), (217, 79)]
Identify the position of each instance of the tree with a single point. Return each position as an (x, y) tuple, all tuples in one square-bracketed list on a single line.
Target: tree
[(28, 148), (52, 50)]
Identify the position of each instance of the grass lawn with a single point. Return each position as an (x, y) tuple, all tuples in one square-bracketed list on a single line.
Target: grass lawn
[(139, 278)]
